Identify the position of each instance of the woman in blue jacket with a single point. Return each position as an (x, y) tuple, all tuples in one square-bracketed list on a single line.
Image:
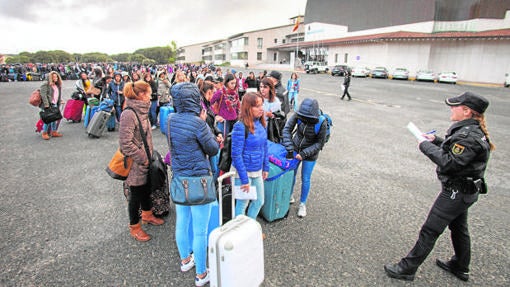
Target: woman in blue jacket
[(192, 141), (249, 152)]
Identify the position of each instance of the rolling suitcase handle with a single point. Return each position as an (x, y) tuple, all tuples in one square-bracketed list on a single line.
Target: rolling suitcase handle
[(220, 195)]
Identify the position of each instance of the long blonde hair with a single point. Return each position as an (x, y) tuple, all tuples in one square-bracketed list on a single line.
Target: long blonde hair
[(483, 126), (50, 79)]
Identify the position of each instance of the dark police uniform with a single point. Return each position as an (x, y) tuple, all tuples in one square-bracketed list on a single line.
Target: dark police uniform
[(461, 160)]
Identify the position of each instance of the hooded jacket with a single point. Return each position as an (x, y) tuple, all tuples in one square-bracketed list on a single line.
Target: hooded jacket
[(130, 139), (305, 141), (191, 138)]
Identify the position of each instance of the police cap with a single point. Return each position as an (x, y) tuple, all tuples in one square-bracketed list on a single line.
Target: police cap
[(475, 102)]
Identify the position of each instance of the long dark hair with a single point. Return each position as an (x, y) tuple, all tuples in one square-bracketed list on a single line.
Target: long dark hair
[(272, 93)]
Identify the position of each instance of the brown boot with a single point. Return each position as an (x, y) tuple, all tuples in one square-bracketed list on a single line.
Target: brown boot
[(56, 134), (45, 136), (148, 217), (137, 232)]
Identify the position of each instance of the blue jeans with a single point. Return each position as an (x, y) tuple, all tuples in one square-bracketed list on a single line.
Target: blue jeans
[(214, 161), (294, 95), (306, 176), (255, 205), (153, 114), (118, 111), (200, 215)]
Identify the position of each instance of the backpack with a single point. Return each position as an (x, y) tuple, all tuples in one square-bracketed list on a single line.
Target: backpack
[(225, 160), (324, 117)]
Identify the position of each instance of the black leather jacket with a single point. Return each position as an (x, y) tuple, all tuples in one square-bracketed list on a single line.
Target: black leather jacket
[(463, 153)]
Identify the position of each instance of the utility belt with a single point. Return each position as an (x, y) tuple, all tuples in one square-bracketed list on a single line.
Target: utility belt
[(466, 185)]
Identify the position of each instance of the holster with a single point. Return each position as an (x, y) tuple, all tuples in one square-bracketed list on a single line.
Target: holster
[(467, 185)]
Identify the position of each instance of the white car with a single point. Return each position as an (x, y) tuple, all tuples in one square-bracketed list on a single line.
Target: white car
[(426, 75), (360, 72), (400, 73), (447, 77)]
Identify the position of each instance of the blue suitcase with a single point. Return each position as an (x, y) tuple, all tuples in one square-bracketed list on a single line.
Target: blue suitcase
[(277, 192), (110, 124), (164, 112), (89, 114)]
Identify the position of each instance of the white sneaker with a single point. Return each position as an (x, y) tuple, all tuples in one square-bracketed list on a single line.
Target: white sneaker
[(154, 127), (302, 210), (187, 266), (202, 281), (292, 200)]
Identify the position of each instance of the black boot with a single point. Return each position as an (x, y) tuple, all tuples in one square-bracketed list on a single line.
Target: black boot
[(452, 268), (397, 272)]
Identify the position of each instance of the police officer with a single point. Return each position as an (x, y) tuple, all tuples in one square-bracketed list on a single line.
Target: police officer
[(461, 160)]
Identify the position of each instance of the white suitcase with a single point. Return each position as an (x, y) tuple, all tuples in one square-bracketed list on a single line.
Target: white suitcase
[(236, 250)]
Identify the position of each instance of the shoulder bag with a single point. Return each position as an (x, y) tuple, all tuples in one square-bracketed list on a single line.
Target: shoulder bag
[(35, 98), (50, 114), (157, 169), (191, 190), (119, 166)]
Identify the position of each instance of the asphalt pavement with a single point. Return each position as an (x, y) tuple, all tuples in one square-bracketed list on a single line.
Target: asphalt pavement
[(64, 221)]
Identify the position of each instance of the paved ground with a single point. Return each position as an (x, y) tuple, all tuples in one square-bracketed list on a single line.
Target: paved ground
[(64, 221)]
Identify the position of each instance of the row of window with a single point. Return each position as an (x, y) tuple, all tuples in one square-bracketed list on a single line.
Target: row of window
[(233, 56)]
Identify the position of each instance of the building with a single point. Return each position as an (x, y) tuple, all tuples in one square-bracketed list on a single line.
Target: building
[(250, 48), (470, 37)]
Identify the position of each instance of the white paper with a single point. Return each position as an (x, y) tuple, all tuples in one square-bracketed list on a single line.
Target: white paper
[(240, 194), (416, 132)]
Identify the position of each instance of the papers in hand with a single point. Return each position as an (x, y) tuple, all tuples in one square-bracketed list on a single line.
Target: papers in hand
[(416, 132), (240, 194)]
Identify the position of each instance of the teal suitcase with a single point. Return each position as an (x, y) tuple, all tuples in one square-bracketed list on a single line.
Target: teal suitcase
[(277, 193)]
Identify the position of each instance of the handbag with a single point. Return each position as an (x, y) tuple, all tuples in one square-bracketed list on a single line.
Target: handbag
[(94, 91), (192, 190), (158, 174), (35, 98), (50, 114), (119, 166)]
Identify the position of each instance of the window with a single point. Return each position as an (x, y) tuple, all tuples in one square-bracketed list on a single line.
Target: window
[(239, 42), (260, 43), (336, 58), (239, 56), (275, 41), (346, 56), (283, 41), (274, 57), (259, 56)]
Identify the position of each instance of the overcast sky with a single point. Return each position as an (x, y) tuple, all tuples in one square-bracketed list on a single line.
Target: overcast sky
[(118, 26)]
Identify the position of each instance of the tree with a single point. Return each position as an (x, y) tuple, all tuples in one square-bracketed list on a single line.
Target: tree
[(124, 57), (158, 54), (137, 58), (17, 59)]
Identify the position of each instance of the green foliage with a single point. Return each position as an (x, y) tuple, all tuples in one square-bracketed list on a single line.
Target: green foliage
[(225, 64), (153, 55), (124, 57), (160, 55), (17, 59)]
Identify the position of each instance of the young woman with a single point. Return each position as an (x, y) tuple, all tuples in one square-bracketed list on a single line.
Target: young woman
[(293, 85), (191, 142), (116, 93), (305, 144), (207, 91), (461, 160), (51, 95), (138, 100), (228, 101), (271, 102), (147, 77), (249, 153)]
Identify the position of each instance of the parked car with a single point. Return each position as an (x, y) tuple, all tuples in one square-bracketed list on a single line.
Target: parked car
[(316, 67), (447, 77), (360, 72), (426, 75), (400, 73), (379, 72), (507, 80), (339, 70)]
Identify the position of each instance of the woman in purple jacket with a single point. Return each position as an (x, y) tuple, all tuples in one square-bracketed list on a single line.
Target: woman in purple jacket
[(227, 99)]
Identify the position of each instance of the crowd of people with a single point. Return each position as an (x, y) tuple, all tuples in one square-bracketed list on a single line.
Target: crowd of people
[(211, 104)]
